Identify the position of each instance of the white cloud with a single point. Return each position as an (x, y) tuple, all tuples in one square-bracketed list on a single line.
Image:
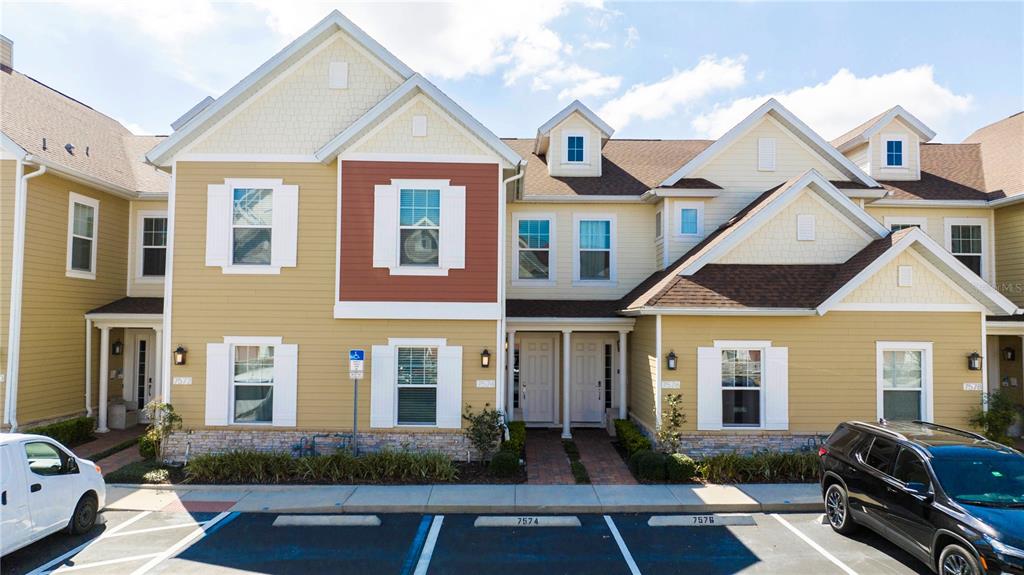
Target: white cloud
[(846, 100), (661, 99), (632, 35), (596, 45)]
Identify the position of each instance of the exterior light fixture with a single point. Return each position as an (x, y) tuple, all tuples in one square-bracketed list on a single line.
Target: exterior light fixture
[(116, 348), (974, 362), (485, 358), (671, 359), (1009, 354), (179, 355)]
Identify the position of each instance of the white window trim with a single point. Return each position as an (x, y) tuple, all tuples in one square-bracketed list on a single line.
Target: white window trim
[(397, 269), (245, 341), (613, 245), (678, 208), (886, 138), (921, 222), (552, 249), (73, 199), (948, 224), (659, 225), (565, 146), (927, 396), (239, 269), (396, 342), (762, 346), (140, 227)]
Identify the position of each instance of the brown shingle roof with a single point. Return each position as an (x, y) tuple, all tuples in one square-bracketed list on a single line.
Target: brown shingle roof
[(561, 308), (1002, 154), (147, 305), (31, 111), (857, 131), (629, 167), (948, 172)]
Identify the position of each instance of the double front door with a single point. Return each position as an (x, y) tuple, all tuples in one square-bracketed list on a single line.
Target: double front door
[(539, 373)]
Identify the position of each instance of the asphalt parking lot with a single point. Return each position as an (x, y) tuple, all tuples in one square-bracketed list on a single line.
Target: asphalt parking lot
[(133, 543)]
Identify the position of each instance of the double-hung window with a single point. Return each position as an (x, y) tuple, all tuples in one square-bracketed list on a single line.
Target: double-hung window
[(83, 227), (966, 242), (574, 148), (742, 376), (252, 383), (894, 153), (690, 223), (595, 250), (251, 226), (417, 385), (154, 246), (904, 380), (419, 227), (534, 248)]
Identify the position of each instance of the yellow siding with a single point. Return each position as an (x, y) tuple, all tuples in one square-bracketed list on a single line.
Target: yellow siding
[(296, 305), (717, 211), (832, 360), (444, 136), (929, 285), (8, 179), (51, 379), (643, 364), (911, 153), (736, 166), (1010, 252), (860, 157), (137, 285), (575, 124)]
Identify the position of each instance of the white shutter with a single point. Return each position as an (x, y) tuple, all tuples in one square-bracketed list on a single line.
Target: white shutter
[(906, 276), (218, 371), (385, 227), (285, 218), (218, 225), (383, 382), (776, 388), (453, 227), (338, 75), (766, 154), (805, 227), (709, 388), (449, 387), (286, 378)]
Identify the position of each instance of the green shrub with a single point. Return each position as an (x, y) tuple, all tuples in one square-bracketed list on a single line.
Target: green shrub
[(504, 464), (70, 432), (485, 429), (147, 446), (680, 468), (670, 434), (651, 466), (630, 436), (997, 419), (634, 460), (761, 467), (516, 442), (151, 471)]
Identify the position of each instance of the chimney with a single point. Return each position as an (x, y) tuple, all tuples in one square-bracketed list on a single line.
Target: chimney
[(6, 54)]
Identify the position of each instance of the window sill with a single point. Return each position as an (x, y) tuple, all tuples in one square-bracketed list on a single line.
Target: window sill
[(894, 168), (80, 275), (149, 279), (417, 271), (696, 236), (251, 270)]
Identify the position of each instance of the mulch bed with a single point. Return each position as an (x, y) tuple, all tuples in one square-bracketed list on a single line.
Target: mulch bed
[(477, 473)]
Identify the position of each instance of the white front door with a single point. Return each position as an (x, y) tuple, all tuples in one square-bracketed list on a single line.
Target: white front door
[(590, 376), (139, 370), (537, 377)]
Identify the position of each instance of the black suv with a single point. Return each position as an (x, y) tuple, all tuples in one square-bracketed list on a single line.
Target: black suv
[(949, 497)]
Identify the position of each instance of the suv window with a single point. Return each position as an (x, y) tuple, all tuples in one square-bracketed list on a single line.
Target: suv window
[(843, 438), (910, 469), (881, 454), (45, 459)]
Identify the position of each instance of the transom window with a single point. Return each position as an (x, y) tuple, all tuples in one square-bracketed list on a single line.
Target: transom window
[(419, 227), (82, 231), (251, 226), (417, 385), (574, 148), (894, 153), (534, 249), (742, 375), (154, 246), (253, 383), (595, 249), (902, 384), (967, 245)]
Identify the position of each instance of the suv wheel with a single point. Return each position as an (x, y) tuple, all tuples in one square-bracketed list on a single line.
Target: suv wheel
[(955, 560), (85, 515), (837, 511)]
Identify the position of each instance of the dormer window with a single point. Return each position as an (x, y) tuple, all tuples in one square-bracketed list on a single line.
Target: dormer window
[(574, 148), (894, 152)]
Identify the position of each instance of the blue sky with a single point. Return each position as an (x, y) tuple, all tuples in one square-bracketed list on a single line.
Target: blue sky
[(652, 70)]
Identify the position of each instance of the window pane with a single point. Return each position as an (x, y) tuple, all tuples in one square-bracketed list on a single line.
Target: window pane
[(910, 469), (44, 459), (899, 405), (902, 369), (420, 208), (972, 262), (251, 246), (154, 232), (153, 261), (417, 406), (741, 368), (881, 454), (595, 235), (252, 207), (533, 264), (595, 265), (81, 254), (254, 404), (741, 407), (83, 223), (417, 366), (574, 152), (688, 218), (894, 153), (534, 234), (254, 364), (419, 247), (898, 227)]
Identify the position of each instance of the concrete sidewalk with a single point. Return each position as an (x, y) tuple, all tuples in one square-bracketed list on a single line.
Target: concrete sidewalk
[(691, 498)]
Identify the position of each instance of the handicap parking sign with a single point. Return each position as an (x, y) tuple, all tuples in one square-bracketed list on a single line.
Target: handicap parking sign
[(356, 354)]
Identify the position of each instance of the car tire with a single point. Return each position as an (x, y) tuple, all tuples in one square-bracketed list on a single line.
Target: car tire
[(84, 517), (956, 560), (837, 510)]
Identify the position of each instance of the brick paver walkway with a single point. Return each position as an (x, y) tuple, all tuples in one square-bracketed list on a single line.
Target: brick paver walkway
[(546, 461), (604, 465), (109, 439)]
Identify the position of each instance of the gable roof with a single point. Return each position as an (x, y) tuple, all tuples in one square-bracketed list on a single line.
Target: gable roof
[(1002, 154), (105, 154), (416, 84), (795, 125), (333, 22), (575, 107), (865, 131)]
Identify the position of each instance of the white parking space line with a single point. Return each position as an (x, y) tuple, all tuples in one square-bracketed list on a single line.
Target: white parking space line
[(51, 565), (182, 543), (622, 546), (163, 528), (428, 546), (77, 566), (527, 521), (815, 546), (327, 521)]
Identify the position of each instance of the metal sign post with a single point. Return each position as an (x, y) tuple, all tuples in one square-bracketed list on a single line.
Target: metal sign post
[(355, 371)]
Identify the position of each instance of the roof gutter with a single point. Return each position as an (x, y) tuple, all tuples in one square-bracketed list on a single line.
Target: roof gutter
[(720, 311), (83, 178), (1006, 201)]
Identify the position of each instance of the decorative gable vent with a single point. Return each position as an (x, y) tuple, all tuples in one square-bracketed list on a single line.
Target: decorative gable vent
[(906, 276), (766, 154), (805, 227), (419, 126), (338, 75)]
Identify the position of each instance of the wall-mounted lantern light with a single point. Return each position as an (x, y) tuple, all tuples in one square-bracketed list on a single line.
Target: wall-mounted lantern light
[(1009, 354), (974, 362), (116, 348), (485, 358), (671, 359), (179, 355)]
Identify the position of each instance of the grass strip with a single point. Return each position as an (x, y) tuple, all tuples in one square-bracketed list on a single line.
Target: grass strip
[(114, 449), (579, 471)]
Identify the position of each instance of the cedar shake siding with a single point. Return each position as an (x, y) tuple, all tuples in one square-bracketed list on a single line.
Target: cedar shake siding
[(360, 281)]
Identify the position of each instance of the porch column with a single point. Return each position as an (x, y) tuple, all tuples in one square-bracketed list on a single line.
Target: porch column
[(622, 375), (101, 424), (510, 409), (88, 367), (159, 391), (566, 381)]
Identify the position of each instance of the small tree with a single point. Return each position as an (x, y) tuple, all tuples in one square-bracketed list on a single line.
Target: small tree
[(670, 434), (163, 421), (485, 429), (997, 419)]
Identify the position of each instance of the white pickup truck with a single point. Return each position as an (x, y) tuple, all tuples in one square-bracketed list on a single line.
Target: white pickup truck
[(45, 489)]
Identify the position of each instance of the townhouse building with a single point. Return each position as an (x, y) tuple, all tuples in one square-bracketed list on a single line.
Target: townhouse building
[(335, 201)]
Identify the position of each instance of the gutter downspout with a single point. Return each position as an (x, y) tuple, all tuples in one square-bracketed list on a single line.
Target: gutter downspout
[(501, 353), (17, 271)]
